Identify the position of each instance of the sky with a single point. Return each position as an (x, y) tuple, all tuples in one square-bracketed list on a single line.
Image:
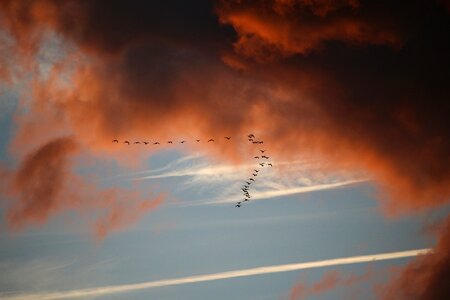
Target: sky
[(347, 100)]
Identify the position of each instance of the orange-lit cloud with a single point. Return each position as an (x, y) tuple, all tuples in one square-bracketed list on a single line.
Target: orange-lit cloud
[(330, 280), (39, 182), (266, 29), (426, 278)]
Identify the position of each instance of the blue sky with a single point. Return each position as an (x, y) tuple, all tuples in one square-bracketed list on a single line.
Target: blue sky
[(195, 232)]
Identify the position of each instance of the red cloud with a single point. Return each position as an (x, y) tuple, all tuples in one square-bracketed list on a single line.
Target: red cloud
[(426, 278), (285, 28), (329, 281), (39, 183)]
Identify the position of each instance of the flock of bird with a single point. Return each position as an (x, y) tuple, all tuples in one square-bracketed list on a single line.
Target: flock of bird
[(168, 142), (262, 161)]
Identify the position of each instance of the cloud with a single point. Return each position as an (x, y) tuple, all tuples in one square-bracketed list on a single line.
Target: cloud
[(426, 277), (45, 184), (146, 81), (39, 182), (330, 280), (268, 194), (271, 183), (106, 290), (270, 28)]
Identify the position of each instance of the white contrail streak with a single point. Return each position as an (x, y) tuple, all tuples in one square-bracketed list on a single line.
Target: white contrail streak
[(291, 191), (104, 290)]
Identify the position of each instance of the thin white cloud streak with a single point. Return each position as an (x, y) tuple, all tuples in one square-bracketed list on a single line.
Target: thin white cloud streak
[(201, 170), (114, 289), (289, 191), (205, 174), (169, 166)]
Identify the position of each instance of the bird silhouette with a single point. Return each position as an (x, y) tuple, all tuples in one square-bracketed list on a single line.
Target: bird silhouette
[(260, 142), (182, 142), (251, 135), (251, 179), (115, 141), (261, 164), (255, 142), (248, 182), (198, 141), (257, 157), (270, 165), (126, 142), (169, 142), (210, 140), (137, 142), (262, 151), (245, 200), (145, 142), (238, 205), (228, 137), (255, 174), (266, 157), (156, 143), (256, 171)]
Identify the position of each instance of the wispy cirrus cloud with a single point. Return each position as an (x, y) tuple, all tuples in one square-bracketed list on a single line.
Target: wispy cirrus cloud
[(285, 179)]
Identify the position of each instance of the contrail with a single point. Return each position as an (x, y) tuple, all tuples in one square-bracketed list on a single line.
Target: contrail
[(113, 289), (291, 191)]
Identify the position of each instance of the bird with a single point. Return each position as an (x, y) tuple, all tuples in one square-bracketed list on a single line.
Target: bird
[(270, 165), (137, 142), (250, 140), (260, 142), (115, 141), (262, 151), (198, 141), (266, 157), (246, 186), (228, 137), (255, 174), (126, 142), (251, 135), (246, 200), (244, 190), (156, 143), (256, 171), (210, 140), (257, 157), (145, 142), (248, 182), (238, 205), (255, 142), (169, 142), (182, 142), (251, 179), (261, 164)]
